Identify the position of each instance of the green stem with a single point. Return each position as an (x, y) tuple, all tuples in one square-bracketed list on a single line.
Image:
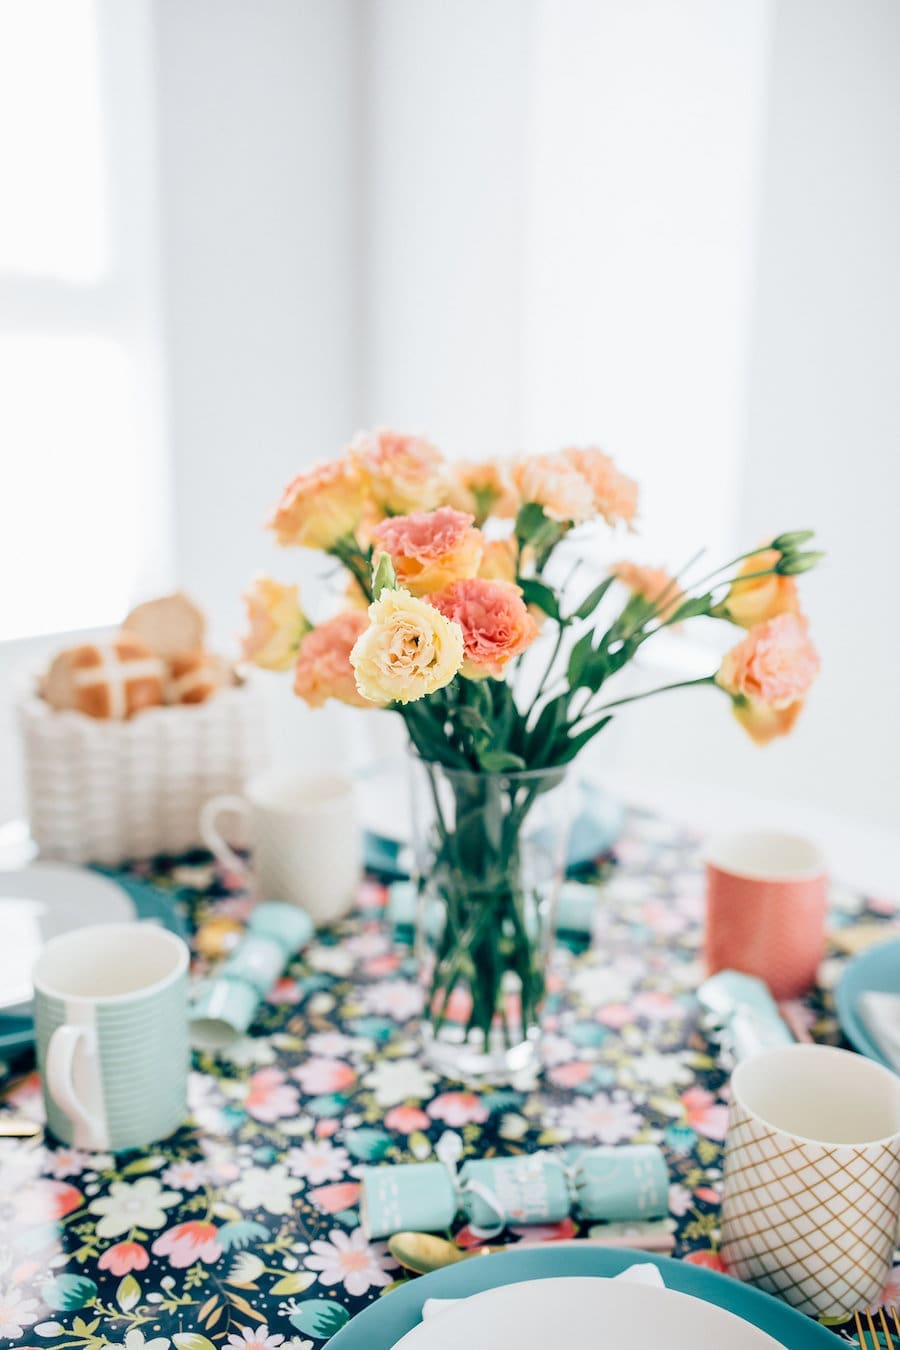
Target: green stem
[(648, 693), (356, 562), (552, 662)]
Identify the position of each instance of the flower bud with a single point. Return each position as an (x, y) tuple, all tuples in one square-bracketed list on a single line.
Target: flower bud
[(786, 543), (794, 563)]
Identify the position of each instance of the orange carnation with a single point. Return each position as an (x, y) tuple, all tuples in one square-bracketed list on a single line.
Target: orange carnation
[(650, 583), (615, 496), (429, 549), (751, 602), (768, 675), (495, 623), (320, 506), (323, 668)]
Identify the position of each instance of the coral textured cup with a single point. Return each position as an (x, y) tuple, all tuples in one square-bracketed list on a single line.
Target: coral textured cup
[(765, 909)]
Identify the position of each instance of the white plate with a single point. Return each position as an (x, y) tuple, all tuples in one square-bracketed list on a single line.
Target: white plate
[(584, 1314), (40, 901)]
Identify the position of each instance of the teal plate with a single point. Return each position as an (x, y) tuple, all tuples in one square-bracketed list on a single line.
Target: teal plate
[(380, 1326), (877, 969)]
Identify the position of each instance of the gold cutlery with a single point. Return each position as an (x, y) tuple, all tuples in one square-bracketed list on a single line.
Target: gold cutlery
[(424, 1252), (877, 1324)]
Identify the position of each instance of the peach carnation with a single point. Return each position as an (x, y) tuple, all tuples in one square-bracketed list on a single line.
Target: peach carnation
[(404, 473), (277, 624), (651, 583), (495, 623), (323, 668), (554, 483), (768, 675), (483, 489), (429, 549), (761, 598), (321, 506), (615, 496)]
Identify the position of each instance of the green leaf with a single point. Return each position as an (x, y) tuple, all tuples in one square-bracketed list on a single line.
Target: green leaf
[(128, 1293), (542, 739), (539, 593), (590, 602), (529, 521), (579, 658), (319, 1317), (576, 743), (691, 608), (500, 761), (192, 1340)]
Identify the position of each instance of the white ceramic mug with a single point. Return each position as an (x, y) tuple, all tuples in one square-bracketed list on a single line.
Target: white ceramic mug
[(110, 1015), (304, 840), (811, 1191)]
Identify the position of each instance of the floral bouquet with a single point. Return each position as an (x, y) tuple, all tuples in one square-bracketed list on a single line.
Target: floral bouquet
[(453, 574)]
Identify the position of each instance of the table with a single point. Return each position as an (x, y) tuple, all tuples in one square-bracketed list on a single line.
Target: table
[(241, 1230)]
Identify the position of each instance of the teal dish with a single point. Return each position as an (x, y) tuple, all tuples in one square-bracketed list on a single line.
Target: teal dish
[(877, 969), (382, 1324)]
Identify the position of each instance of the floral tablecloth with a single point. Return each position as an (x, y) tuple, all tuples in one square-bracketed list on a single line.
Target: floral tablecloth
[(242, 1231)]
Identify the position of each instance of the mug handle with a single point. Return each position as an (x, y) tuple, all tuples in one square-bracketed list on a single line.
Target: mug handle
[(89, 1128), (213, 840)]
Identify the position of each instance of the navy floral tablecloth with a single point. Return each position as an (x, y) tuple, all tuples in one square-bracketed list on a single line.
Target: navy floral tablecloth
[(242, 1231)]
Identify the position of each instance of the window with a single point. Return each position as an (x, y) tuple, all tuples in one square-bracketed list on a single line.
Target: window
[(82, 520)]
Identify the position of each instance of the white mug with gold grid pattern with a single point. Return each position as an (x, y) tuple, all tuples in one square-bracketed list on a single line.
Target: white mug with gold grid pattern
[(811, 1192)]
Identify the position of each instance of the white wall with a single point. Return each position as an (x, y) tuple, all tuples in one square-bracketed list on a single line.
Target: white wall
[(822, 419), (260, 114), (512, 223), (260, 111), (446, 139)]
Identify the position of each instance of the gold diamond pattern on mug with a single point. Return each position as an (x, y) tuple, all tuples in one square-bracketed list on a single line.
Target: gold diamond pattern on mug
[(812, 1224)]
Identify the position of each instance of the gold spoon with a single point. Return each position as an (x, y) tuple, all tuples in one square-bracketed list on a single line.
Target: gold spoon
[(424, 1252)]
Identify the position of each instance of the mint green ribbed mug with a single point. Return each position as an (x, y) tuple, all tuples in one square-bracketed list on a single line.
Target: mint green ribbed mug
[(110, 1014)]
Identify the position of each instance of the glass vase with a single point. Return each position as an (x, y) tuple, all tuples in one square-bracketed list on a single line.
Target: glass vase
[(489, 856)]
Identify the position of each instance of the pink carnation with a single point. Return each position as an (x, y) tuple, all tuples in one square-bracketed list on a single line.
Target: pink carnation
[(429, 549), (323, 668), (402, 472), (494, 619), (768, 674), (776, 662)]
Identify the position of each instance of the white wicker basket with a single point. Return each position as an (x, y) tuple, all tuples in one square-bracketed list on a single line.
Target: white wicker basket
[(105, 791)]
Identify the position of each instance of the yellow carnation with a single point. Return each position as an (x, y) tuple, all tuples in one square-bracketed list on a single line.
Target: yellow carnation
[(408, 651), (277, 624), (498, 560)]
